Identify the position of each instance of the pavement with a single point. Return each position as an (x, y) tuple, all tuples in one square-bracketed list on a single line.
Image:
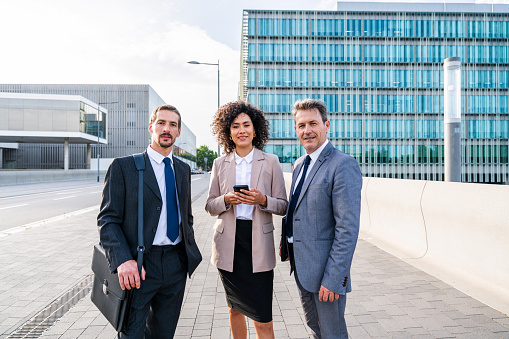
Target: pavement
[(44, 292)]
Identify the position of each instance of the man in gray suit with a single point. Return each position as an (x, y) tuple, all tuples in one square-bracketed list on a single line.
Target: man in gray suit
[(322, 222), (170, 247)]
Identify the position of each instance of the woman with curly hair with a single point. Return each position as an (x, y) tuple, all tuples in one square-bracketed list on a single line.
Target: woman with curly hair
[(243, 242)]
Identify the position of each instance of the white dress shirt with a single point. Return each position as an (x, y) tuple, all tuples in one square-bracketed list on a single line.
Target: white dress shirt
[(243, 177), (156, 160), (314, 156)]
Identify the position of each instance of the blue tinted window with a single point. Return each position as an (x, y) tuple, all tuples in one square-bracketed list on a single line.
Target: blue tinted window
[(335, 27), (326, 52), (283, 27), (388, 28), (488, 29), (336, 78), (388, 53), (388, 78), (439, 28)]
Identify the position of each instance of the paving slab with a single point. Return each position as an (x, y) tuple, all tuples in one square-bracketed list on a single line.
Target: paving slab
[(390, 298)]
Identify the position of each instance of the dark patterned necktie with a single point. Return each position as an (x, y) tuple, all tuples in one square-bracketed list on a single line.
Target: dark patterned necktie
[(295, 198)]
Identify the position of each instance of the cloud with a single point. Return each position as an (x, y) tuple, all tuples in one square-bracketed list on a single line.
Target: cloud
[(121, 43)]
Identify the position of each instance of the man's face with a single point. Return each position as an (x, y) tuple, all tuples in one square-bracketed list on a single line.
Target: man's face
[(310, 129), (164, 131)]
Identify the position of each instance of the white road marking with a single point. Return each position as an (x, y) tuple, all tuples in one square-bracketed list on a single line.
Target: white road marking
[(26, 227), (67, 192), (41, 193), (71, 196), (95, 192), (195, 179), (4, 208)]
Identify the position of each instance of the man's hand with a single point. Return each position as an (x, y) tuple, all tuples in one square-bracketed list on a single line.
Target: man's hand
[(128, 275), (326, 295), (280, 253)]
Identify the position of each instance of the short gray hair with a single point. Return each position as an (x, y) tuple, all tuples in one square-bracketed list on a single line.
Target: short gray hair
[(303, 105)]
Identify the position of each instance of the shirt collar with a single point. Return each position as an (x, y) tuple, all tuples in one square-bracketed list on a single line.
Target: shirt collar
[(314, 156), (248, 158), (158, 157)]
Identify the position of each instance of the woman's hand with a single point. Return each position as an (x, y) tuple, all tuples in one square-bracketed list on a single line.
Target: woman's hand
[(252, 197), (231, 198)]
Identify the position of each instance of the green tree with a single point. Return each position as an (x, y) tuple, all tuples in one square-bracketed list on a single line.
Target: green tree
[(203, 152)]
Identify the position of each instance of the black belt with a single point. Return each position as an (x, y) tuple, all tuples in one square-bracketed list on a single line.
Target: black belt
[(167, 247)]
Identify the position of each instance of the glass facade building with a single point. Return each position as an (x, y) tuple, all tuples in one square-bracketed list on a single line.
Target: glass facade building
[(379, 69)]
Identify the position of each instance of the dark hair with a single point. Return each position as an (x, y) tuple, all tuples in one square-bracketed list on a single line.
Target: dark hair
[(224, 117), (171, 108), (303, 105)]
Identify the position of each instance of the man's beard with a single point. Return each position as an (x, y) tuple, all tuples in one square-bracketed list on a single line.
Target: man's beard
[(167, 144)]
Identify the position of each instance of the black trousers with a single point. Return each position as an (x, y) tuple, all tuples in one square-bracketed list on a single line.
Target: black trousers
[(156, 305)]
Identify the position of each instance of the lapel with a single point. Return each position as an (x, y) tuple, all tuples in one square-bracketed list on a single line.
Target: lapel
[(149, 179), (319, 162), (296, 172), (179, 178), (298, 165), (256, 167), (230, 170)]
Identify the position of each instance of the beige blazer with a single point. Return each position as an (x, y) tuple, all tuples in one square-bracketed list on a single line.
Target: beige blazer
[(267, 177)]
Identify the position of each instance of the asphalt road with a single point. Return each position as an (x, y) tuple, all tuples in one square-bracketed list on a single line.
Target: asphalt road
[(21, 205)]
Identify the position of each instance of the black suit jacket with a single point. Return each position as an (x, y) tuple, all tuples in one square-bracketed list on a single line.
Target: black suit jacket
[(118, 217)]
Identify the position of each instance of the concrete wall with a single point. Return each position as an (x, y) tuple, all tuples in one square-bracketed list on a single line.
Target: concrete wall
[(457, 232), (17, 177)]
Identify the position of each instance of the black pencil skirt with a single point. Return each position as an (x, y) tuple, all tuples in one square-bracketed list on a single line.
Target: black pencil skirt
[(247, 292)]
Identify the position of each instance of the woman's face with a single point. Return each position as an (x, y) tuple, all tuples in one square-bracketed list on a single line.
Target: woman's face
[(242, 131)]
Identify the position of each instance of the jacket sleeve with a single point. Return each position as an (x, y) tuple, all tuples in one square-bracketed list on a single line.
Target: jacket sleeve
[(346, 203), (277, 202), (215, 201), (110, 217)]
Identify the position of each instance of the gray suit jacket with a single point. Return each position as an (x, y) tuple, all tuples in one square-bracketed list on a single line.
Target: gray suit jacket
[(118, 216), (326, 221)]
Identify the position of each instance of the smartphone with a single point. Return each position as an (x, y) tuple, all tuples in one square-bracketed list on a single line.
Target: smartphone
[(237, 188)]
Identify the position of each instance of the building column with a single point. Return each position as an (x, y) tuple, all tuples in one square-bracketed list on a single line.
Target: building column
[(89, 155), (66, 154), (1, 158)]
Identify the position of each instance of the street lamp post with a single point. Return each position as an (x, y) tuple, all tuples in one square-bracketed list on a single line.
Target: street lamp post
[(218, 87), (98, 130)]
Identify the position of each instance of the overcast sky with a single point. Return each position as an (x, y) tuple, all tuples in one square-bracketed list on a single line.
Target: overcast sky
[(134, 42)]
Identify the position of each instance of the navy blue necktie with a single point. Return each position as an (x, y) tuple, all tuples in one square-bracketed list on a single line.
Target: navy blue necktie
[(172, 214), (295, 198)]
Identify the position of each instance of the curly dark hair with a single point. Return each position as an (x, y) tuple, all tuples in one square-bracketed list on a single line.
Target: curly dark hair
[(224, 117)]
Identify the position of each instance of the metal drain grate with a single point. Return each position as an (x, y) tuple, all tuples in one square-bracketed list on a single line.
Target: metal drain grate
[(54, 311)]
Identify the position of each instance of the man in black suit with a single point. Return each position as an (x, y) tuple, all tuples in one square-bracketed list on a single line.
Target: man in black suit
[(170, 247)]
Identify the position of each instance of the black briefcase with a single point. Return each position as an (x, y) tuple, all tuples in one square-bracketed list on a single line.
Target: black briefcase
[(110, 299)]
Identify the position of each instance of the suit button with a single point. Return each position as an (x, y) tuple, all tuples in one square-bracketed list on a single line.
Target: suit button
[(153, 230), (158, 208)]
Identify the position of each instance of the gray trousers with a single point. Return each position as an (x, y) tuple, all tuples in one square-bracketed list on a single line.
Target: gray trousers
[(326, 319), (156, 305)]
